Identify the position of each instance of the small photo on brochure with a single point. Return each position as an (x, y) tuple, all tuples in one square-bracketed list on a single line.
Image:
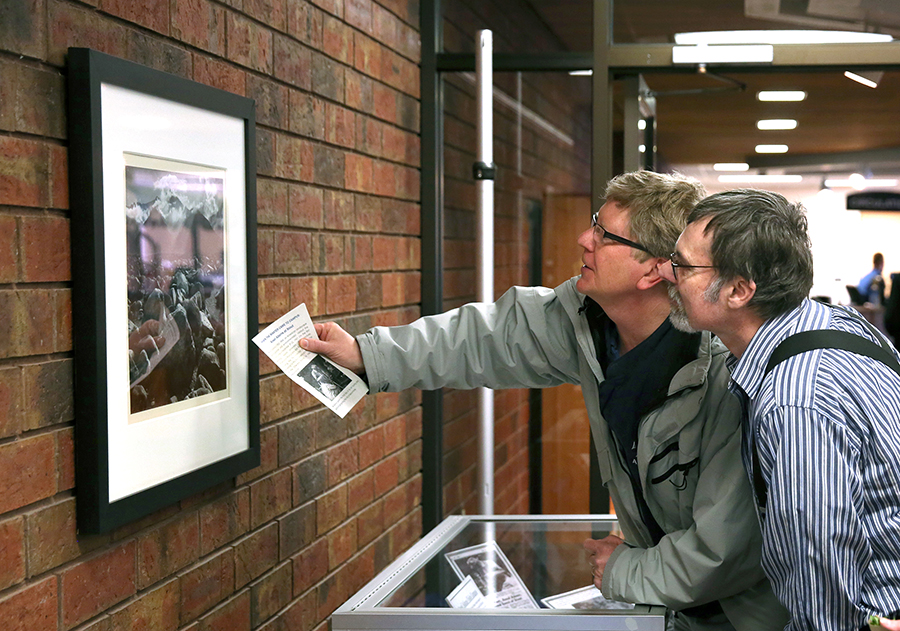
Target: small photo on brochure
[(493, 575), (584, 598), (325, 377)]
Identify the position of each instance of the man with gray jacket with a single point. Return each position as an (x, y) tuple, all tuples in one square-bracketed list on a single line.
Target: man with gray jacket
[(665, 427)]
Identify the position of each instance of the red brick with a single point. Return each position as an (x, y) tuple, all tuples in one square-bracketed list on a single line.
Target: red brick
[(63, 320), (274, 398), (392, 288), (385, 178), (334, 590), (368, 55), (341, 294), (293, 62), (234, 615), (155, 609), (199, 23), (307, 206), (219, 74), (9, 250), (293, 251), (305, 23), (268, 458), (31, 608), (371, 447), (271, 101), (395, 505), (65, 458), (358, 93), (360, 491), (270, 594), (370, 135), (370, 524), (341, 544), (274, 294), (11, 402), (385, 27), (255, 555), (24, 172), (224, 520), (28, 467), (59, 178), (48, 388), (362, 257), (271, 202), (167, 549), (307, 115), (359, 14), (71, 26), (387, 405), (52, 538), (343, 461), (385, 103), (22, 28), (12, 551), (207, 585), (310, 566), (329, 253), (335, 7), (271, 12), (412, 290), (270, 497), (384, 253), (339, 210), (249, 44), (294, 159), (97, 584), (394, 434), (387, 475), (296, 530), (331, 509), (149, 13), (358, 172), (265, 252), (337, 39), (340, 125), (369, 213), (309, 290), (301, 615)]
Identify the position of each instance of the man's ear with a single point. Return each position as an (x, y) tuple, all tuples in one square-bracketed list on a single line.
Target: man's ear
[(651, 275), (740, 292)]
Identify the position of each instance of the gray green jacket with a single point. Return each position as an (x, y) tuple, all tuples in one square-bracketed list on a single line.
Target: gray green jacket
[(688, 449)]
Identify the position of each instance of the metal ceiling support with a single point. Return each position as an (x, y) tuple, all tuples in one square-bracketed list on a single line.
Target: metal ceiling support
[(506, 62), (640, 105), (602, 97), (432, 226)]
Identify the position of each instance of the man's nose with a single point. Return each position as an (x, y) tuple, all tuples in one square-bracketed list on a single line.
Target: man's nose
[(666, 271)]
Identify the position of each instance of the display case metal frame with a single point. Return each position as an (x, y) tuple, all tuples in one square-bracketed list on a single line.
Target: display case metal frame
[(362, 610)]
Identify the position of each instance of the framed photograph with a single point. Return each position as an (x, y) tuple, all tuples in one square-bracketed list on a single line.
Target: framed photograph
[(584, 598), (493, 576), (163, 197)]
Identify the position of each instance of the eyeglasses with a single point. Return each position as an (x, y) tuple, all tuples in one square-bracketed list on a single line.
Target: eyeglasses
[(603, 233), (676, 265)]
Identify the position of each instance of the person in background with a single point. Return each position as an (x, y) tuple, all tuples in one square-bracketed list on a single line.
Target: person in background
[(665, 428), (871, 286), (821, 428)]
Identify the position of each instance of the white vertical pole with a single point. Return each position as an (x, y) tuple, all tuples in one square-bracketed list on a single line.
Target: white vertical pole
[(484, 177)]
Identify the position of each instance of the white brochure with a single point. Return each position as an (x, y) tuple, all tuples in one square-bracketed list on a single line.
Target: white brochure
[(466, 595), (335, 386), (584, 598), (493, 575)]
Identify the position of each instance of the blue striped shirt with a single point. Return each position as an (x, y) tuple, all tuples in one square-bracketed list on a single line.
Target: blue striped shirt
[(827, 429)]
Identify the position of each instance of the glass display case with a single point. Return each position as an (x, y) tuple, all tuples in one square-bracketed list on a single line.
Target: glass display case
[(496, 572)]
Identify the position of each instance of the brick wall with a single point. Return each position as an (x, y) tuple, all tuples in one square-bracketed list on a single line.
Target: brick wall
[(530, 162), (336, 84)]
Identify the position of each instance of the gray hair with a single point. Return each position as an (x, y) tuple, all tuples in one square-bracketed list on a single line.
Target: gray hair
[(658, 206), (760, 236)]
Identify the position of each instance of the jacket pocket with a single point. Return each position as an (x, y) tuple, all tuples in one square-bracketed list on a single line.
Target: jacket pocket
[(671, 483)]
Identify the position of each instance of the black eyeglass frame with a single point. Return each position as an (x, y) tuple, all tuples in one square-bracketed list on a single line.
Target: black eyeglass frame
[(675, 265), (606, 234)]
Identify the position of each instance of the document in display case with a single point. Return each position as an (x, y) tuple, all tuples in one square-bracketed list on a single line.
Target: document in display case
[(504, 573)]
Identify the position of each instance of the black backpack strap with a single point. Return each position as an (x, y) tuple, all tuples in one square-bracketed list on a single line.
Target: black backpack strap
[(812, 340)]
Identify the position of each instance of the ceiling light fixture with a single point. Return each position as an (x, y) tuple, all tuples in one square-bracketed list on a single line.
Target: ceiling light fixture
[(731, 166), (776, 123), (771, 148), (781, 95), (726, 54), (580, 73), (760, 179), (868, 79), (859, 182), (785, 36)]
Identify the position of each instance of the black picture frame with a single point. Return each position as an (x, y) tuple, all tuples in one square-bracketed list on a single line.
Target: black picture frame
[(144, 270)]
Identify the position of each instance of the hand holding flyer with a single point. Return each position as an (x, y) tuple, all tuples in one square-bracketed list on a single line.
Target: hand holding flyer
[(338, 388)]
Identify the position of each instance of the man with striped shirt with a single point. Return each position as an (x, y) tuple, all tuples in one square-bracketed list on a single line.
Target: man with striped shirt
[(821, 430)]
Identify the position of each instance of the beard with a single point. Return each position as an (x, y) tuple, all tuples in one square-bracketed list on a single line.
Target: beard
[(677, 314)]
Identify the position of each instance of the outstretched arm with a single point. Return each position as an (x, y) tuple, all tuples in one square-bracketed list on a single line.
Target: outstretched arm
[(337, 345)]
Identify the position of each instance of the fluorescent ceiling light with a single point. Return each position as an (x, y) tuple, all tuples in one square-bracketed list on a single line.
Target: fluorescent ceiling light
[(581, 73), (869, 79), (781, 95), (760, 179), (859, 182), (780, 37), (771, 148), (703, 54), (776, 123), (731, 166)]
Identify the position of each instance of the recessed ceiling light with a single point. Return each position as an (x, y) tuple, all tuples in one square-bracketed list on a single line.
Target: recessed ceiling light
[(731, 166), (581, 73), (642, 124), (868, 79), (771, 148), (776, 123), (781, 95), (760, 179), (780, 36), (725, 54)]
